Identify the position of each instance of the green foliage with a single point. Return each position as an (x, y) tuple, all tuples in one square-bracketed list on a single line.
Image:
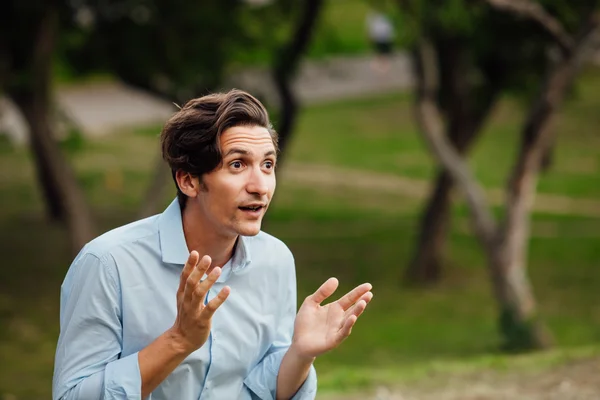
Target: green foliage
[(455, 16), (502, 50), (341, 30), (179, 49), (266, 27), (263, 29), (19, 23)]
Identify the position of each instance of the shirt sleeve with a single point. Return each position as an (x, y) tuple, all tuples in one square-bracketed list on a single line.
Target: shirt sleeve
[(88, 363), (262, 380)]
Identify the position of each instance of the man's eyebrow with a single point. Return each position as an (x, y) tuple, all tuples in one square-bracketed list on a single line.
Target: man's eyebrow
[(236, 151)]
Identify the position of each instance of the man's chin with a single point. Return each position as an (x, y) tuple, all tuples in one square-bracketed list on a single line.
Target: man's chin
[(249, 229)]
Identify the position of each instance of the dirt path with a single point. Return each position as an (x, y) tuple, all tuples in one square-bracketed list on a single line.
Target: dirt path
[(343, 178), (577, 380), (104, 107)]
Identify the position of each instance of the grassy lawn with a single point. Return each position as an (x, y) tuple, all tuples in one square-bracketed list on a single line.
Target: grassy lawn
[(380, 134), (351, 234)]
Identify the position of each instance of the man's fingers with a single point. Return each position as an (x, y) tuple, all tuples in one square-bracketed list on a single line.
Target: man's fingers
[(353, 296), (358, 308), (325, 290), (204, 265), (215, 303), (365, 299), (346, 329), (195, 276), (352, 315), (203, 287), (189, 266)]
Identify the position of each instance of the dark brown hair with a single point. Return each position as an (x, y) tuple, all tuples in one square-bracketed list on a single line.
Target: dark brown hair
[(190, 138)]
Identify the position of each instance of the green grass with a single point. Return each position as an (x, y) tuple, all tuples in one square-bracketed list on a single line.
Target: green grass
[(379, 134), (436, 373), (455, 321), (355, 235)]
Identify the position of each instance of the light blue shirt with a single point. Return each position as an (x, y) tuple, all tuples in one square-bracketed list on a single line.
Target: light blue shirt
[(120, 294)]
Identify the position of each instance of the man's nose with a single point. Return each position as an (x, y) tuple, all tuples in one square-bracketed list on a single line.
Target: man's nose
[(257, 183)]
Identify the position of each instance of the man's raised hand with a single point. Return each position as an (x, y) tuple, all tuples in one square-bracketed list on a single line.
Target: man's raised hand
[(193, 322), (320, 328)]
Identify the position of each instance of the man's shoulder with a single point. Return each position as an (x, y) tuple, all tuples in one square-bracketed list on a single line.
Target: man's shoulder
[(122, 236)]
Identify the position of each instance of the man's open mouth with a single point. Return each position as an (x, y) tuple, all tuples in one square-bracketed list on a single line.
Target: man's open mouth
[(251, 208)]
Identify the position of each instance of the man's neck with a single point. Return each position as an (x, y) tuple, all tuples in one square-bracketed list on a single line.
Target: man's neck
[(202, 237)]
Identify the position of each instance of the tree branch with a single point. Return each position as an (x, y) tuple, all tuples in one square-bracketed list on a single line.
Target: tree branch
[(537, 130), (430, 121), (534, 11), (285, 66)]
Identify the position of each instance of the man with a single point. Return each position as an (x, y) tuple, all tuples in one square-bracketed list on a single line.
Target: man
[(197, 302)]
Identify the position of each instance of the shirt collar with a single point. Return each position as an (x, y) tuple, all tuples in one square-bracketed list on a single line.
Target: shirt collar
[(174, 247), (241, 255), (172, 240)]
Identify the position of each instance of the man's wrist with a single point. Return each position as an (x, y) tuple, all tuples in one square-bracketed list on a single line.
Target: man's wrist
[(300, 356), (177, 343)]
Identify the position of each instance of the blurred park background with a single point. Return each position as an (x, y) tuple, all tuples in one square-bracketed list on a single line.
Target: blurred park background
[(458, 172)]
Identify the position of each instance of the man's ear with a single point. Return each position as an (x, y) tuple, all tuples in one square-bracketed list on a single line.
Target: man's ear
[(188, 184)]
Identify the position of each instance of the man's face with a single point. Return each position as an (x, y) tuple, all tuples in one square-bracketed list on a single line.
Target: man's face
[(237, 194)]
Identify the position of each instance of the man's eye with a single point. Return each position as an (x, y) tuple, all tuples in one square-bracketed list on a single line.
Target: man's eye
[(269, 164), (236, 164)]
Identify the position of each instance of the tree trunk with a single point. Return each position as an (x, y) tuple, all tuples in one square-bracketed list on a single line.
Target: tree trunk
[(429, 119), (426, 265), (519, 321), (52, 201), (505, 244), (285, 66), (548, 158), (54, 208), (287, 113), (464, 125), (54, 172)]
